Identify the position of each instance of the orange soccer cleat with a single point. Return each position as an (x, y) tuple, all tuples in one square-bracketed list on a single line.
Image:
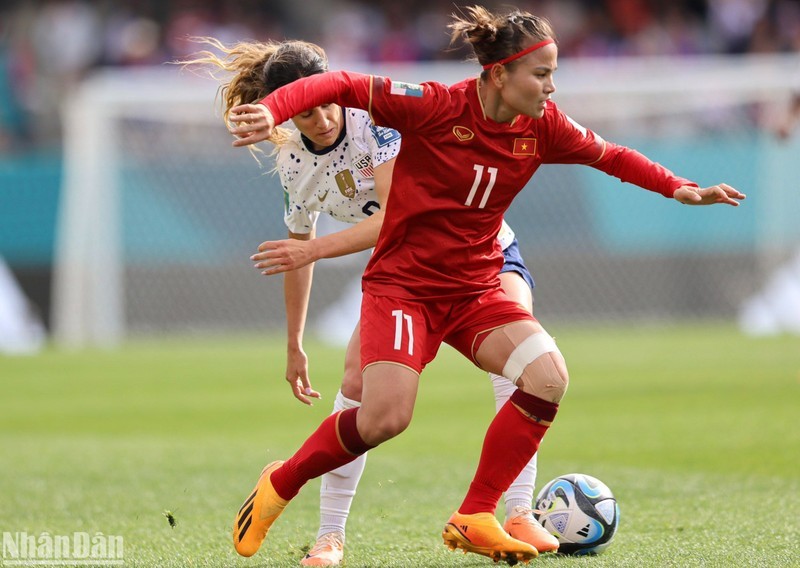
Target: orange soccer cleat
[(482, 534), (523, 526), (327, 551), (257, 514)]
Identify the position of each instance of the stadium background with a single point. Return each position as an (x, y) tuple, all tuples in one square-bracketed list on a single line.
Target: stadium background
[(190, 210)]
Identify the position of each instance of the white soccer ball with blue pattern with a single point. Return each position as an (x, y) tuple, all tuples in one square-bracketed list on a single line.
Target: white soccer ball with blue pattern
[(580, 511)]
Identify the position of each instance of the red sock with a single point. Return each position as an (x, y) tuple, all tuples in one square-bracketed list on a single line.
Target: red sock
[(335, 443), (510, 442)]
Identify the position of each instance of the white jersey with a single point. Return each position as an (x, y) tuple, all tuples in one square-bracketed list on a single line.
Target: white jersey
[(506, 236), (338, 180)]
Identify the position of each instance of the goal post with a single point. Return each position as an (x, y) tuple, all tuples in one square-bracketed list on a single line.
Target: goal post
[(90, 283), (159, 213)]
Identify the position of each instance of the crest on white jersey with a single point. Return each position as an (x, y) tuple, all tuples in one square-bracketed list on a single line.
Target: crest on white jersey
[(363, 164), (346, 183)]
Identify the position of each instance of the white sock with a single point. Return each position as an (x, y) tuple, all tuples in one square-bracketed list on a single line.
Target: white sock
[(520, 493), (338, 487)]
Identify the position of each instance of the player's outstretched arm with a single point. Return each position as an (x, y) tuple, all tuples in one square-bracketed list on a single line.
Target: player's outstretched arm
[(296, 292), (275, 257), (250, 123), (722, 193)]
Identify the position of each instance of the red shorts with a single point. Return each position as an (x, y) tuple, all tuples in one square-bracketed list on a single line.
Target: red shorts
[(409, 332)]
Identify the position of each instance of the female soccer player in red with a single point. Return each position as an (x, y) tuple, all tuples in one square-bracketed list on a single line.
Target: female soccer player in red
[(337, 163), (468, 149)]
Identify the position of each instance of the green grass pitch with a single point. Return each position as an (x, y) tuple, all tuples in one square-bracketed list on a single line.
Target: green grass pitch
[(695, 429)]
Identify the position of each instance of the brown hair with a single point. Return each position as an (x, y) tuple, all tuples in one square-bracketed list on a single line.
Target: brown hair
[(259, 68), (495, 37)]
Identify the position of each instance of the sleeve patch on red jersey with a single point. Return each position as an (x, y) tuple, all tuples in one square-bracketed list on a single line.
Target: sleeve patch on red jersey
[(405, 89)]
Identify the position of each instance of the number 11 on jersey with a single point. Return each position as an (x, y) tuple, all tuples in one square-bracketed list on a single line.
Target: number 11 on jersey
[(399, 316), (477, 183)]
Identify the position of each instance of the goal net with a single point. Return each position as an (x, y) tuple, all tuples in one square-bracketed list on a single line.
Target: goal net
[(160, 214)]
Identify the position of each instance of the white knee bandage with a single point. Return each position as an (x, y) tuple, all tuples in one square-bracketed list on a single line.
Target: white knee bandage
[(532, 347), (341, 402)]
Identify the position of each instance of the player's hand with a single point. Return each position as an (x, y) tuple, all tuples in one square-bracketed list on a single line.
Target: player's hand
[(250, 124), (297, 376), (274, 257), (722, 193)]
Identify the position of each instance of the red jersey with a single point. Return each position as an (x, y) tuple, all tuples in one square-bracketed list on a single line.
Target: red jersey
[(456, 174)]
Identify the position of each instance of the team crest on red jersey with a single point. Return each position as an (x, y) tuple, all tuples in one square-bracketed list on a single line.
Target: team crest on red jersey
[(524, 146), (463, 133)]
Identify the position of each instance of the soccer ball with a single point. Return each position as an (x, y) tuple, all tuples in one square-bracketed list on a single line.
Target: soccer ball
[(580, 511)]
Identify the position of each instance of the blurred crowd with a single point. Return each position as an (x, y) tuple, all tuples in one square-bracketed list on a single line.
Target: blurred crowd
[(47, 46)]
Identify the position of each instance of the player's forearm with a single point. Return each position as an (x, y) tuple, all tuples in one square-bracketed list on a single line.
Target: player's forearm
[(631, 166), (342, 87), (361, 236), (296, 292)]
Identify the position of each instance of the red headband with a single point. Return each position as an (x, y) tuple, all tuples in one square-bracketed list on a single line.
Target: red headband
[(526, 51)]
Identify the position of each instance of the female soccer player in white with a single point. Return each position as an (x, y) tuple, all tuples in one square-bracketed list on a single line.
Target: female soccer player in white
[(468, 149), (336, 162)]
